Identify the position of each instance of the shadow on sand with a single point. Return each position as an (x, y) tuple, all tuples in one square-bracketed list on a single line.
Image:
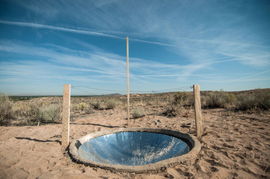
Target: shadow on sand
[(37, 140), (93, 124)]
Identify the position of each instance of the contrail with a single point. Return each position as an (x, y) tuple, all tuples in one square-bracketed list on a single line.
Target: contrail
[(153, 42), (78, 31), (43, 26)]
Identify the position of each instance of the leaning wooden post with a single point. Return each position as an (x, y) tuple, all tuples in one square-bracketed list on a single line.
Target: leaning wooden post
[(198, 113), (66, 117)]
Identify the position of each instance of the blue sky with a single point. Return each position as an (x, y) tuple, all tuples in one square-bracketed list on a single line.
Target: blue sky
[(219, 44)]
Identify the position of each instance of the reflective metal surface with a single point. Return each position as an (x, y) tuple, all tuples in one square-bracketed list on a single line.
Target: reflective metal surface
[(132, 148)]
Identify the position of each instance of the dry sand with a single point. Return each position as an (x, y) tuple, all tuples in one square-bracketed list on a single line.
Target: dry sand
[(235, 145)]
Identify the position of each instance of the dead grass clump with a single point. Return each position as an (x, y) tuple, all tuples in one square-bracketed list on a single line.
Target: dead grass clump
[(5, 110), (137, 113)]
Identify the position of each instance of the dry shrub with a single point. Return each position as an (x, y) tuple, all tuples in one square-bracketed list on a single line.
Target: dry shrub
[(253, 101), (82, 106), (171, 111), (97, 105), (177, 104), (28, 112), (25, 110), (35, 112), (49, 113), (5, 110), (183, 99), (218, 99), (105, 104), (137, 113), (110, 104)]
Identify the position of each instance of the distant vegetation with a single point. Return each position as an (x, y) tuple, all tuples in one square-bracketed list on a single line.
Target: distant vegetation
[(252, 100), (246, 100), (5, 109), (39, 110), (28, 112)]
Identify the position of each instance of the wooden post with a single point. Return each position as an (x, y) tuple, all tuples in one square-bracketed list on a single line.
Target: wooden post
[(198, 113), (127, 75), (66, 116)]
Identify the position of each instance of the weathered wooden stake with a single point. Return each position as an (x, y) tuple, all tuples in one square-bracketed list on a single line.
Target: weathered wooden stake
[(127, 75), (66, 116), (198, 113)]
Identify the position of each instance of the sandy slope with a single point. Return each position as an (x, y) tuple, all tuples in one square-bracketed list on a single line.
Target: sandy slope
[(235, 145)]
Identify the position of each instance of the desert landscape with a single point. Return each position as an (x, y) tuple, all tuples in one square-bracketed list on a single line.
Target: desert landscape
[(121, 89), (235, 141)]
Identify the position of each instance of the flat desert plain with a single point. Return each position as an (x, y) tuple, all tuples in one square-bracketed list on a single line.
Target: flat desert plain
[(234, 145)]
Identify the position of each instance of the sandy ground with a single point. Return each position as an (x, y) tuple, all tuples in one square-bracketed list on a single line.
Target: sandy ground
[(234, 145)]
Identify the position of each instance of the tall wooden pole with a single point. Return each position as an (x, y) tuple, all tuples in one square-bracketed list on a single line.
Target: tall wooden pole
[(198, 113), (127, 75), (66, 116)]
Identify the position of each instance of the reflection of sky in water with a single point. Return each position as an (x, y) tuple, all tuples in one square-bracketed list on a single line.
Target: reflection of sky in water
[(132, 148)]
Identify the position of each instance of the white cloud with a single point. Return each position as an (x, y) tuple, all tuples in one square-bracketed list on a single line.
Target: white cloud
[(187, 28), (81, 67)]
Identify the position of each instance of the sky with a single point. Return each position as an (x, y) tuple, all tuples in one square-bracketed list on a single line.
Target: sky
[(173, 44)]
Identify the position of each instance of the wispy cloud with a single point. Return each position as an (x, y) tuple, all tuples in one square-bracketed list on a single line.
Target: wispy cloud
[(80, 31), (94, 62), (204, 38), (81, 67), (192, 31), (65, 29), (97, 61), (95, 67)]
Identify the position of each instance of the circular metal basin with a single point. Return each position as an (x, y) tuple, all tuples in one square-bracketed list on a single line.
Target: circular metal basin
[(134, 149)]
